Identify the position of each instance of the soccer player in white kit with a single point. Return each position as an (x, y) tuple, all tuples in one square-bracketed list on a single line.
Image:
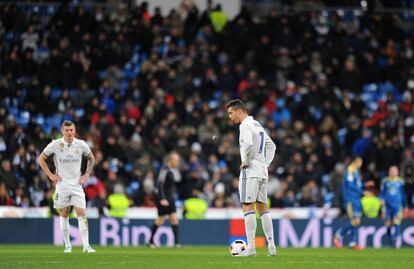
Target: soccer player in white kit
[(67, 155), (257, 151)]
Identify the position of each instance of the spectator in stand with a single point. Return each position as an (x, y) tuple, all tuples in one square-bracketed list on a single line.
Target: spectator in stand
[(134, 103)]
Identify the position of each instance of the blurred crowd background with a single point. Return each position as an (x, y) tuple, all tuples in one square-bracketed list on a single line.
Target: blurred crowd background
[(327, 85)]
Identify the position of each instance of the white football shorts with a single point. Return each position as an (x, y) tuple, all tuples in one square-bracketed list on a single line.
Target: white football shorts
[(66, 196), (253, 189)]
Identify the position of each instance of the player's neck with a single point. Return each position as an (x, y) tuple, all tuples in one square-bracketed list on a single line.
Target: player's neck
[(69, 141), (242, 117)]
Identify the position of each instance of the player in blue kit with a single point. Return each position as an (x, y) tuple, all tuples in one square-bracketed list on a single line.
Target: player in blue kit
[(352, 191), (393, 201)]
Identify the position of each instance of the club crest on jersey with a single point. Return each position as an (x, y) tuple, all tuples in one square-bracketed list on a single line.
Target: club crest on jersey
[(77, 151), (61, 146)]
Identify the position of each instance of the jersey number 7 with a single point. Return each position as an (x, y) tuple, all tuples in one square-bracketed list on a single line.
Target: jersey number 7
[(261, 141)]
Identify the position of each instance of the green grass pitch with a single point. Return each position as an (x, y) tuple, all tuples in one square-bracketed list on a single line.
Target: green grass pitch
[(41, 256)]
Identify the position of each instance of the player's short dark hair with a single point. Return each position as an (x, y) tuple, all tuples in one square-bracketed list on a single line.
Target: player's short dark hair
[(67, 123), (236, 104)]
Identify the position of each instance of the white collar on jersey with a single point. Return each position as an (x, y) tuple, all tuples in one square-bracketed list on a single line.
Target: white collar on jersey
[(247, 118), (67, 143)]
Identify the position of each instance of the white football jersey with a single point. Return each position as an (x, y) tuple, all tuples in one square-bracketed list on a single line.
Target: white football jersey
[(68, 158), (257, 149)]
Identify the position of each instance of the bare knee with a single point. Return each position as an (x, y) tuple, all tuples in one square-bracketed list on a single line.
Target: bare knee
[(248, 207), (356, 221), (174, 219), (159, 221), (80, 212), (64, 212), (261, 207)]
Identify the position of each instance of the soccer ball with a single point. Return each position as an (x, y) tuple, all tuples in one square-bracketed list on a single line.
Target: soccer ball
[(237, 247)]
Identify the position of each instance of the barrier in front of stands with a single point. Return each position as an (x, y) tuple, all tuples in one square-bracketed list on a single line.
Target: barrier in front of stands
[(134, 232)]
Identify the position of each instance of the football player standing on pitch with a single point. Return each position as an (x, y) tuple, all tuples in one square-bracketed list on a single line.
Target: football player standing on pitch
[(257, 151), (67, 155)]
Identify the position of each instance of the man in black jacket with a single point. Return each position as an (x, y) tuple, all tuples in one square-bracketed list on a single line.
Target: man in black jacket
[(165, 197)]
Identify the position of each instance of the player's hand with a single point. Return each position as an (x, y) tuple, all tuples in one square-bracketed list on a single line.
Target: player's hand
[(54, 178), (164, 202), (242, 166), (83, 179)]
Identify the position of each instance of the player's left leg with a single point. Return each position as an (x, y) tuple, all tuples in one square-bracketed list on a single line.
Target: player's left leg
[(267, 225), (83, 229), (355, 222), (174, 225), (396, 223), (343, 231)]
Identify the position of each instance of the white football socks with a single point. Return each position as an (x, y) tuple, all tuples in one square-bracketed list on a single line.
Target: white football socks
[(250, 225), (83, 229), (65, 229), (268, 228)]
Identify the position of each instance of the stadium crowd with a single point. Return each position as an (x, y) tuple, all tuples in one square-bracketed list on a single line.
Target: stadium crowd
[(138, 84)]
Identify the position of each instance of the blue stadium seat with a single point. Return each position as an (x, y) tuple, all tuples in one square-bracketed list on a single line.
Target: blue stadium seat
[(14, 111), (79, 112), (67, 117), (371, 87), (55, 93), (386, 87), (40, 119), (23, 119), (54, 121), (72, 92)]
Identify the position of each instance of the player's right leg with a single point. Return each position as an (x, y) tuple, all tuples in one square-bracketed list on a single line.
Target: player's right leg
[(248, 189), (353, 211), (386, 214), (344, 230), (157, 223), (62, 203), (250, 225), (65, 228)]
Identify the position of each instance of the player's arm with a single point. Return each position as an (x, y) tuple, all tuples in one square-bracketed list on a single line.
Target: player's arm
[(351, 184), (161, 188), (270, 149), (90, 163), (41, 160), (246, 145)]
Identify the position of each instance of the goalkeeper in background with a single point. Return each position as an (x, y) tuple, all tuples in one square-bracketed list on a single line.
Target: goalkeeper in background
[(393, 201)]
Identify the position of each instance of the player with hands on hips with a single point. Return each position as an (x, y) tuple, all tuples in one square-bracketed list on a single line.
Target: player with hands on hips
[(67, 155), (257, 151)]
